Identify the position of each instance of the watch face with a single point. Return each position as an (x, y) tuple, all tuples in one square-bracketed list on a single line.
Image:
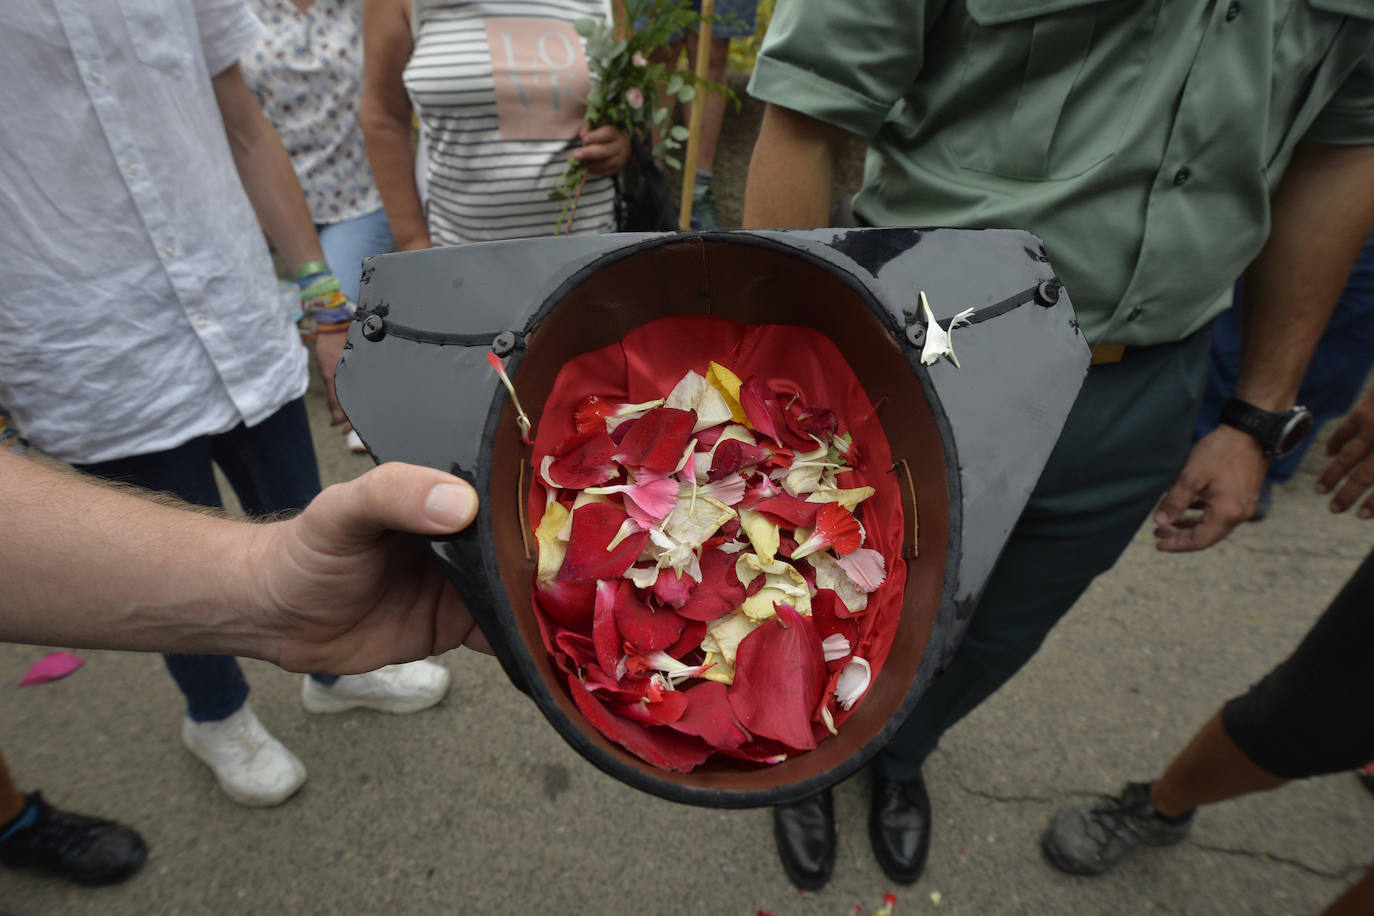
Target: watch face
[(1294, 431)]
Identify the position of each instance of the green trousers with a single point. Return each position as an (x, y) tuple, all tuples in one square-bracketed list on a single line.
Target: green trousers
[(1122, 447)]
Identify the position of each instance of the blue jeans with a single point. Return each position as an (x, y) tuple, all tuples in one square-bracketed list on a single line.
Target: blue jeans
[(346, 243), (1335, 376), (272, 469)]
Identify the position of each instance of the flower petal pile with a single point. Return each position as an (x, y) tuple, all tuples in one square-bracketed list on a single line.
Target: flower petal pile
[(719, 573)]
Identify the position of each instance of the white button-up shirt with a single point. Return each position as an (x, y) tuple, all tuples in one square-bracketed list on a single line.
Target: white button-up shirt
[(138, 304)]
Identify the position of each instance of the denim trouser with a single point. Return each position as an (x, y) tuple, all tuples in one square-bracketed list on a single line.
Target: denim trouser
[(1123, 445), (1335, 376), (346, 243), (271, 467)]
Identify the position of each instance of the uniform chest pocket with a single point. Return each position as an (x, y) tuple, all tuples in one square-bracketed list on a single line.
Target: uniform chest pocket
[(158, 33), (1048, 87)]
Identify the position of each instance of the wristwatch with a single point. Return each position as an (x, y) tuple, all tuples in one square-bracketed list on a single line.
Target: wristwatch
[(1279, 433)]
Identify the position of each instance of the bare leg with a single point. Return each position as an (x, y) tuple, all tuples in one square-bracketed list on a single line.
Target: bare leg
[(1210, 769), (714, 113), (11, 801)]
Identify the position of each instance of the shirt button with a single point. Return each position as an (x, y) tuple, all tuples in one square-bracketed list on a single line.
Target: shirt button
[(203, 321), (1181, 176), (169, 250), (1232, 11), (131, 168), (1135, 313), (95, 76)]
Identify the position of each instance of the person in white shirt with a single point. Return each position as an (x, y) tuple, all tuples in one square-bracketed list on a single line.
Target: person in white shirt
[(141, 333)]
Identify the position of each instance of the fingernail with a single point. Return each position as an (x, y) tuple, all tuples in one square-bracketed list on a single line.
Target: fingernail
[(1161, 518), (451, 505)]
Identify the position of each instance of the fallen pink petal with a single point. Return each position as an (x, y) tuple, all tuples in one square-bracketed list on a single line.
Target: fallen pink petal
[(51, 667)]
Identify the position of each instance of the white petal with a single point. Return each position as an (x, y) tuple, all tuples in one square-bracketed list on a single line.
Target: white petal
[(937, 339), (835, 646), (853, 681)]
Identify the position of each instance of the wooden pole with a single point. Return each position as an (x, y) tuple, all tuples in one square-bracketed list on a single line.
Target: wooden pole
[(689, 159)]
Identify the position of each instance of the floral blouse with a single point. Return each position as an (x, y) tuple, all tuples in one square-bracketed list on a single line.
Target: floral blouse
[(307, 76)]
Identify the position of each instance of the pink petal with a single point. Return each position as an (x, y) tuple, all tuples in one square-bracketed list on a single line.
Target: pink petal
[(51, 667), (708, 716), (657, 439), (728, 489), (780, 675), (642, 627), (594, 526), (865, 568), (720, 591), (649, 500)]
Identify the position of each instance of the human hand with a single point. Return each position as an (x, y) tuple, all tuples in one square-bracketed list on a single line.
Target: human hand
[(328, 348), (416, 243), (344, 588), (1351, 448), (1222, 478), (604, 150)]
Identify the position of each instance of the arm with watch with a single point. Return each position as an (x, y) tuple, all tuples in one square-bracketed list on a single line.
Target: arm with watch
[(1322, 211), (270, 181)]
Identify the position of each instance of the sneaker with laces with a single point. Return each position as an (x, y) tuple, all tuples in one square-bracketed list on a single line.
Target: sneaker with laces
[(89, 850), (253, 768), (704, 214), (395, 688), (1092, 840)]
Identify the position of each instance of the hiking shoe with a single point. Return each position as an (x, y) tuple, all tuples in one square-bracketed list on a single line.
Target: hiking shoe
[(252, 767), (704, 214), (1090, 841), (88, 850), (395, 688)]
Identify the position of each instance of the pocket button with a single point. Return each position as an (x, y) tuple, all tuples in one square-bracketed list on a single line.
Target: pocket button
[(1232, 11), (1181, 176)]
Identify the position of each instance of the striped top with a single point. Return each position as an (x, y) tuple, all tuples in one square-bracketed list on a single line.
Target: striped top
[(500, 88)]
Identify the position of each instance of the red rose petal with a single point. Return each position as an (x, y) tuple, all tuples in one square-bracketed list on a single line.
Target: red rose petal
[(567, 602), (666, 711), (708, 716), (720, 591), (642, 627), (575, 647), (734, 456), (663, 748), (658, 439), (780, 674), (789, 511), (692, 634), (593, 527), (605, 635), (672, 589), (811, 423), (584, 460)]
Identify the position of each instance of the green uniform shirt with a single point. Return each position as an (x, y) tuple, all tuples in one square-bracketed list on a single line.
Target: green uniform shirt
[(1141, 139)]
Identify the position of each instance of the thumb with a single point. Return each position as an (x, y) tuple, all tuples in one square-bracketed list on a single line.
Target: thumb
[(393, 496), (1177, 501)]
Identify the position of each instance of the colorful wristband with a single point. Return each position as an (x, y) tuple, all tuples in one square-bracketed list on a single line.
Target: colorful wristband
[(309, 271)]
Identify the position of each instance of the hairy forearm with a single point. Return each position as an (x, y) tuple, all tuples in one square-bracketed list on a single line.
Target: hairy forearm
[(791, 171), (266, 172), (1322, 213), (88, 566)]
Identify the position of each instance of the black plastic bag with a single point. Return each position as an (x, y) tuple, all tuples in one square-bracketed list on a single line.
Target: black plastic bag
[(643, 200)]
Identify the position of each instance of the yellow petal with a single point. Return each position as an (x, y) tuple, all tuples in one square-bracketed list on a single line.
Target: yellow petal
[(694, 521), (722, 639), (728, 384), (762, 533), (719, 669), (782, 581), (847, 498), (551, 547)]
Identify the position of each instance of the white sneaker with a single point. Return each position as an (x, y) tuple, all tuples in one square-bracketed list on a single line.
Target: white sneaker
[(395, 688), (253, 768)]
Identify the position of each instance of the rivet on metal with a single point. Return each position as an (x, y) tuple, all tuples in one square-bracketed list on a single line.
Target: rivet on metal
[(504, 343), (915, 333), (374, 328), (1047, 293)]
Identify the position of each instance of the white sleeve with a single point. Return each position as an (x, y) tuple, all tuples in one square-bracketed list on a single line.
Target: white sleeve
[(228, 29)]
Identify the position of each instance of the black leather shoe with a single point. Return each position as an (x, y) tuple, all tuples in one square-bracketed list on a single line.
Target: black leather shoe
[(805, 833), (899, 827)]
